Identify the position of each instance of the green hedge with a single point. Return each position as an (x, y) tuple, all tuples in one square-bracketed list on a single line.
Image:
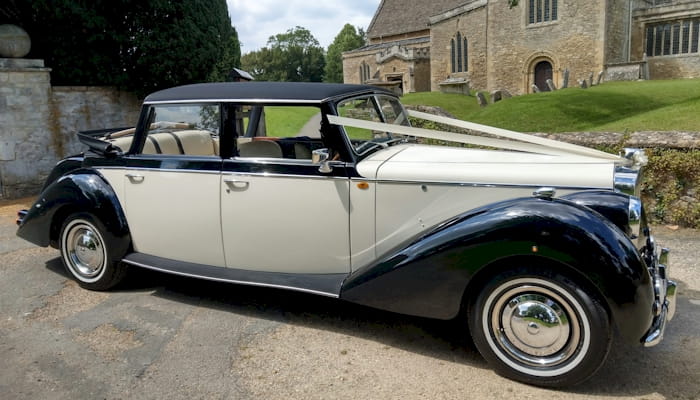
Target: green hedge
[(670, 187)]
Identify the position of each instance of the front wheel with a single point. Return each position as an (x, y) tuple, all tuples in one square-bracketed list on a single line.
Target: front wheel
[(540, 327), (88, 253)]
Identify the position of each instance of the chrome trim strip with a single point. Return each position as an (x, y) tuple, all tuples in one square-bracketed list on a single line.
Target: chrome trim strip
[(276, 175), (248, 283), (474, 184), (183, 171), (270, 160)]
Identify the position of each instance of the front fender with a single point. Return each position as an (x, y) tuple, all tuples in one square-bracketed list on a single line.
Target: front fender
[(428, 276), (82, 190)]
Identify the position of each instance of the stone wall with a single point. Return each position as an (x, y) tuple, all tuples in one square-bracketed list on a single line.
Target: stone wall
[(674, 67), (389, 62), (80, 108), (504, 48), (38, 123), (574, 41), (618, 22), (625, 72), (471, 25)]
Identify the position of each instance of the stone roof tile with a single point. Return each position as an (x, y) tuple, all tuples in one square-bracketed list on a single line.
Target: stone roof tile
[(396, 17)]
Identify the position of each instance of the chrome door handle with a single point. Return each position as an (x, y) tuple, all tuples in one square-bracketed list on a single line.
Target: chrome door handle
[(136, 178), (236, 183)]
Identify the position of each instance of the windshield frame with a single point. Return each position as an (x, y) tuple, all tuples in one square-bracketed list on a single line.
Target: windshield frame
[(374, 144)]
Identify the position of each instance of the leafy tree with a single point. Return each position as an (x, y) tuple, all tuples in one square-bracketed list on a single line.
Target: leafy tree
[(138, 45), (293, 56), (348, 39), (230, 59)]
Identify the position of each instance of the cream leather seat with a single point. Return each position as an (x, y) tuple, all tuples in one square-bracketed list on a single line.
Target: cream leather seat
[(260, 148)]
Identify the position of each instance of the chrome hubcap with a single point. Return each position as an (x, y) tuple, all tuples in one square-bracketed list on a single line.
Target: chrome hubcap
[(535, 326), (85, 250)]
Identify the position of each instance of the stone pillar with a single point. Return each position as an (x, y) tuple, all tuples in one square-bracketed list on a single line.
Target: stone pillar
[(27, 153)]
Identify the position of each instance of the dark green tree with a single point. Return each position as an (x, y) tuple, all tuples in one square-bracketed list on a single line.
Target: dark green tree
[(293, 56), (138, 45), (230, 59), (349, 38)]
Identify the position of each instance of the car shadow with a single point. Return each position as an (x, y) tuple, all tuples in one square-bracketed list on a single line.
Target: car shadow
[(629, 370), (445, 340)]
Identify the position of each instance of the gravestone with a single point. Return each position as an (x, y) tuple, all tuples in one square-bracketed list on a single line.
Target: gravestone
[(535, 89), (496, 96), (481, 99), (583, 83), (566, 79), (590, 80), (600, 77), (506, 94), (551, 86)]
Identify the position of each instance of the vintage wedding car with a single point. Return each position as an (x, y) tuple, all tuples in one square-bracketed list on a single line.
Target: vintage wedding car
[(540, 247)]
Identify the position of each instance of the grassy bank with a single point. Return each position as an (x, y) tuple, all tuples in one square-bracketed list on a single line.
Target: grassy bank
[(613, 106)]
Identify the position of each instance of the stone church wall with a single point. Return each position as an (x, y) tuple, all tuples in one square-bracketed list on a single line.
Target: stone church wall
[(471, 25), (574, 41)]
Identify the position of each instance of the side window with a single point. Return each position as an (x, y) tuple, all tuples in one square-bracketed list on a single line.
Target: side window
[(191, 129), (290, 132)]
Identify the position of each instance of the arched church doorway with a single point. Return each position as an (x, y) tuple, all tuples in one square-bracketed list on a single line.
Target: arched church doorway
[(543, 71)]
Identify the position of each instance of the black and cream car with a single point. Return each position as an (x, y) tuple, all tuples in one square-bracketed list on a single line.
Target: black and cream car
[(541, 248)]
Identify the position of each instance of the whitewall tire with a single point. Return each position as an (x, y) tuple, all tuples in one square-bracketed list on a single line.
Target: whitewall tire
[(87, 253), (540, 327)]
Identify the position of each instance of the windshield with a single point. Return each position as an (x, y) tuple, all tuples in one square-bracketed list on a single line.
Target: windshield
[(385, 109)]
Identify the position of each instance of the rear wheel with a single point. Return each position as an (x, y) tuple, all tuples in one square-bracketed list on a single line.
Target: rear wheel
[(88, 254), (540, 327)]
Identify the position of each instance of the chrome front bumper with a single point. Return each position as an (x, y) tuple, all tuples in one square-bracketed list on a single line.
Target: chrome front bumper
[(665, 296)]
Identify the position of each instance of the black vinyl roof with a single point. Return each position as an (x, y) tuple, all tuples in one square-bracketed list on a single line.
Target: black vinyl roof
[(306, 92)]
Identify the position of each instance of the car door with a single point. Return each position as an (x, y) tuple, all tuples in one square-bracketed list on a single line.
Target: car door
[(171, 187), (279, 216), (279, 212)]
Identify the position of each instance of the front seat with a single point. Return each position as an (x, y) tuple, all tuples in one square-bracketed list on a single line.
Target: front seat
[(260, 148)]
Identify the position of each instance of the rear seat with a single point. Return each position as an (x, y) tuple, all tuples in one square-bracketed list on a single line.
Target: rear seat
[(190, 142)]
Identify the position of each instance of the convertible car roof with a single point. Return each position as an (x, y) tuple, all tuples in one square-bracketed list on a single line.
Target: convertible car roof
[(306, 92)]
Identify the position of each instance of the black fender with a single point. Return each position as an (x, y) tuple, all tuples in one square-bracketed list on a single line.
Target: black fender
[(612, 205), (81, 190), (430, 276)]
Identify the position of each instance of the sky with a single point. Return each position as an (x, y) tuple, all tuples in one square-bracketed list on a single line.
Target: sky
[(257, 20)]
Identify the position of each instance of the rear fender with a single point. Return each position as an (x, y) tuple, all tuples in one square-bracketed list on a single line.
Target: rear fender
[(82, 190)]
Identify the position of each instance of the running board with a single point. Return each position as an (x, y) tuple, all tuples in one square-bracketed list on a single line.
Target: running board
[(321, 284)]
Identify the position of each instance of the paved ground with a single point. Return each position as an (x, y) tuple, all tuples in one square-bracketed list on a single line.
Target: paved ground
[(161, 336)]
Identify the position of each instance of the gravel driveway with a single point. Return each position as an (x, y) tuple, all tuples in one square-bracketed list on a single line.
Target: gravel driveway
[(162, 336)]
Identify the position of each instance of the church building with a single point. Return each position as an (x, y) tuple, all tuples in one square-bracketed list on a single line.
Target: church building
[(416, 46)]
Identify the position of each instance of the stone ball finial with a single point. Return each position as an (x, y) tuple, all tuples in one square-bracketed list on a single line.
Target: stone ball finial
[(14, 42)]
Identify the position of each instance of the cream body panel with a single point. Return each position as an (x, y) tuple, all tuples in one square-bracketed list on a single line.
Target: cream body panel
[(406, 210), (175, 215), (458, 165), (420, 186), (115, 178), (286, 224), (362, 223)]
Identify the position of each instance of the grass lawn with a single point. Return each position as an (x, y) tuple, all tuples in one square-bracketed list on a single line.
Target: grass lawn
[(287, 121), (612, 106)]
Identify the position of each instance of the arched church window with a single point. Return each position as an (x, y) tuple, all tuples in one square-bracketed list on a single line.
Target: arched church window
[(459, 53)]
